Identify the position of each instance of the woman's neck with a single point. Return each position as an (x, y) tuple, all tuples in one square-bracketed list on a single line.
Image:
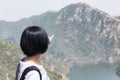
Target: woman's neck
[(34, 59)]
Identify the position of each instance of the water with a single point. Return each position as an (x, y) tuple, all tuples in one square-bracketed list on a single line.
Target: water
[(96, 72)]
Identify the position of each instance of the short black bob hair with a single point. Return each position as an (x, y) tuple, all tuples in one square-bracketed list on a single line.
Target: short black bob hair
[(34, 40)]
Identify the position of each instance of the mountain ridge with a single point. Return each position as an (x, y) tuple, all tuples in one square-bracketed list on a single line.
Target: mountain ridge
[(83, 35)]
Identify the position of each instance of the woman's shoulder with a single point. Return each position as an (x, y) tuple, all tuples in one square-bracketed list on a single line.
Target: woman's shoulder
[(32, 75)]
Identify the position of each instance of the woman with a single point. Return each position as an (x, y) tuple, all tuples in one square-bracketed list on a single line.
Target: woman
[(34, 42)]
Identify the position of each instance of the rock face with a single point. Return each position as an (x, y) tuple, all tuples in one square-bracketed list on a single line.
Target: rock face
[(83, 34)]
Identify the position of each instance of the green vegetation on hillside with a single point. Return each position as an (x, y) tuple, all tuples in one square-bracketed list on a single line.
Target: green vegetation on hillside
[(10, 54)]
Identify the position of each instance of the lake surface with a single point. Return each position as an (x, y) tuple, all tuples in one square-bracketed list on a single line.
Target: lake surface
[(93, 72)]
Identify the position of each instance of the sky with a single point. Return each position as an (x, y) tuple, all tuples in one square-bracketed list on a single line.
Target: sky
[(13, 10)]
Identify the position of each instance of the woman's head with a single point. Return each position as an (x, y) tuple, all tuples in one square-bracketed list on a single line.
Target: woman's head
[(34, 40)]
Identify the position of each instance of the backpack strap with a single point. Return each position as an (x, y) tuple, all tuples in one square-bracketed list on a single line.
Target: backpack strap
[(31, 68), (18, 69)]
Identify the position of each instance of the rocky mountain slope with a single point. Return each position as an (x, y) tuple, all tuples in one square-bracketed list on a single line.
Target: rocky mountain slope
[(83, 34)]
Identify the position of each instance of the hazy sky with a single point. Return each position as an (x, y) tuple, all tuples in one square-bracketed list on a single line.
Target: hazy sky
[(12, 10)]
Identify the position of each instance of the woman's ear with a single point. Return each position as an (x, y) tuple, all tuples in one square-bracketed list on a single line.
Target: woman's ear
[(50, 38)]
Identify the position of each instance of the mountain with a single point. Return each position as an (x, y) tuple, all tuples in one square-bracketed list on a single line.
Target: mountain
[(9, 57), (83, 34)]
